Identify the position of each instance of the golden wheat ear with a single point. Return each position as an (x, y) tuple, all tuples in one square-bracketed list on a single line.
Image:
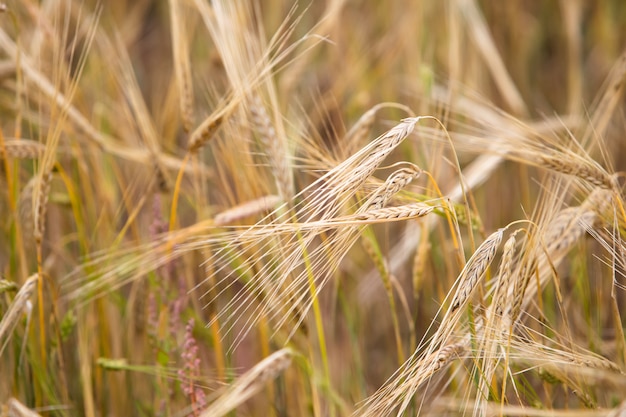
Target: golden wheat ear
[(250, 383)]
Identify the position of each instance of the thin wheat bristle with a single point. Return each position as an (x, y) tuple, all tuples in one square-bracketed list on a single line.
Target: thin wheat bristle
[(275, 148), (23, 149), (394, 183), (250, 383), (476, 267)]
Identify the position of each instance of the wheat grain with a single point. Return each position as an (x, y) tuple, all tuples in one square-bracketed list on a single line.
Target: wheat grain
[(476, 267)]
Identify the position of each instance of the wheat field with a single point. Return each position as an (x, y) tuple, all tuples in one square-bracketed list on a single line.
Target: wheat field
[(312, 208)]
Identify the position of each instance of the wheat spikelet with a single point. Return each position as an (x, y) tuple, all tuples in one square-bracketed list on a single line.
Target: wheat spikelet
[(247, 209), (275, 148), (40, 202), (23, 149), (396, 181), (250, 383), (476, 267), (10, 317)]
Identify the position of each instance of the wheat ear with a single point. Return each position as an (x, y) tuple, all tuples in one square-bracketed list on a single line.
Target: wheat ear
[(250, 383), (275, 148), (23, 149), (476, 267), (583, 170), (19, 304), (40, 203), (396, 181)]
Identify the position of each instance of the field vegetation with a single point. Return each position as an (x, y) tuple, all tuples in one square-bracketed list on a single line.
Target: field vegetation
[(312, 208)]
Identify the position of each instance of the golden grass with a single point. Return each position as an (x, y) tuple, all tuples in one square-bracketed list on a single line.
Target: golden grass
[(474, 150)]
